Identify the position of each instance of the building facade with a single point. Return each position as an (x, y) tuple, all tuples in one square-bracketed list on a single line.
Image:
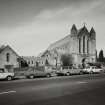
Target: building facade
[(50, 58), (80, 44), (30, 60), (8, 58)]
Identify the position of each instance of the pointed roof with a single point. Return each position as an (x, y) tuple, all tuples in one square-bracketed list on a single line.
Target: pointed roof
[(73, 27), (92, 30), (83, 29)]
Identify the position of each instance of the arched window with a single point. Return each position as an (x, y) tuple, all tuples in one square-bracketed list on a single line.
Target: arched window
[(28, 62), (83, 44), (7, 57), (79, 45), (32, 61), (87, 46)]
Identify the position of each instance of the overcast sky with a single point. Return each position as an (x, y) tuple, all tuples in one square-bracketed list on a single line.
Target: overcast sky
[(30, 26)]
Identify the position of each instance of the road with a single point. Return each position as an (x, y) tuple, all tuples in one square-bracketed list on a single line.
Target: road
[(67, 90)]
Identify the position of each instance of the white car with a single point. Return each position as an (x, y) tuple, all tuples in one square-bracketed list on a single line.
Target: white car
[(92, 69), (4, 74)]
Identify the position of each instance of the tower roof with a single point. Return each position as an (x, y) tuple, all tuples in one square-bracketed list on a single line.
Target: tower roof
[(92, 30), (74, 27), (83, 29), (73, 30)]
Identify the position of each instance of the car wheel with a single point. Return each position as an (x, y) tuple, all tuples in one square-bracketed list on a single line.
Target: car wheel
[(31, 76), (67, 74), (91, 72), (48, 75), (9, 78), (81, 73)]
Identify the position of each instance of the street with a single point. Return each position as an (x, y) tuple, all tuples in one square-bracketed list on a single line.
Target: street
[(66, 90)]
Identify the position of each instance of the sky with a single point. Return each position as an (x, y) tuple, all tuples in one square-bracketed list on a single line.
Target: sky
[(30, 26)]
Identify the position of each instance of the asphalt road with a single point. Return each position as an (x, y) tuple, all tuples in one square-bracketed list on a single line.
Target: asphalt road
[(72, 90)]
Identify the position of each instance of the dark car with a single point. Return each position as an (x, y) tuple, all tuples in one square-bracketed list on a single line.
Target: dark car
[(39, 72)]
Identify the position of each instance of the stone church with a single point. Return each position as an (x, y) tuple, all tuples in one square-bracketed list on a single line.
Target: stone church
[(80, 44)]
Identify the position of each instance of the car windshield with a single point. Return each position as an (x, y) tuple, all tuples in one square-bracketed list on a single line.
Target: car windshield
[(1, 70), (87, 67)]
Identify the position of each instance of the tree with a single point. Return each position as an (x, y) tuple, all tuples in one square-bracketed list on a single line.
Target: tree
[(66, 60), (22, 62), (37, 64), (101, 56)]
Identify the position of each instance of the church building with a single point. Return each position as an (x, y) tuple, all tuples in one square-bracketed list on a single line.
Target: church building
[(80, 44)]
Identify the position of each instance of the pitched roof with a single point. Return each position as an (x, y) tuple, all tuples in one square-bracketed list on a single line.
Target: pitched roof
[(83, 29), (92, 30), (58, 43), (73, 27), (3, 47)]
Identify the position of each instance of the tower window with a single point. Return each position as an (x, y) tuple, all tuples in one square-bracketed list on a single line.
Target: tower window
[(79, 45), (84, 44), (32, 62), (28, 62), (7, 57), (87, 46)]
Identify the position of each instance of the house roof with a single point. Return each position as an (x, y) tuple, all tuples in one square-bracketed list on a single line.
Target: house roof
[(3, 47)]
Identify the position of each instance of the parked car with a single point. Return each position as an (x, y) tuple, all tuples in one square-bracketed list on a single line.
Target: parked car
[(62, 72), (69, 71), (75, 71), (92, 69), (4, 74), (103, 69), (53, 73), (39, 72)]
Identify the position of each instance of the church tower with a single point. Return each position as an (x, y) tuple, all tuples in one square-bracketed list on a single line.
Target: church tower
[(74, 42), (92, 43), (74, 38), (73, 30), (92, 34)]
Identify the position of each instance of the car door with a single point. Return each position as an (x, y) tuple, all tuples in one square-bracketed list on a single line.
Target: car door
[(97, 69), (93, 69), (45, 70), (3, 74), (39, 71)]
